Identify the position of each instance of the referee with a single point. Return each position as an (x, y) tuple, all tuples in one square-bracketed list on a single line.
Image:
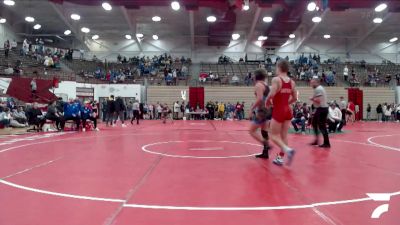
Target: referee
[(319, 100)]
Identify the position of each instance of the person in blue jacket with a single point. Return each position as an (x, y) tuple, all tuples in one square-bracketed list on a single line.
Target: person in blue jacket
[(88, 114), (72, 111)]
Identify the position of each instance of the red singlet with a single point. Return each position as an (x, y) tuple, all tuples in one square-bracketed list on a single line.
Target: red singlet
[(281, 110)]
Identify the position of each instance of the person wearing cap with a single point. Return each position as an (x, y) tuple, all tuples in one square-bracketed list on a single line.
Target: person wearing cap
[(319, 101)]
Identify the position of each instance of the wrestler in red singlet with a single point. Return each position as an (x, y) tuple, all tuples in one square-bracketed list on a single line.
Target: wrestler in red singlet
[(282, 110), (282, 95)]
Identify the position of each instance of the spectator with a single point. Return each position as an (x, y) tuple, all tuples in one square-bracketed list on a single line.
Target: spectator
[(19, 115), (334, 117), (120, 109), (345, 73), (5, 118), (299, 118), (177, 109), (239, 111), (72, 112), (397, 77), (35, 116), (34, 87), (129, 110), (6, 48), (110, 111), (368, 112), (221, 110), (379, 111), (387, 112), (235, 79), (81, 54), (248, 79), (88, 114), (54, 115), (13, 45)]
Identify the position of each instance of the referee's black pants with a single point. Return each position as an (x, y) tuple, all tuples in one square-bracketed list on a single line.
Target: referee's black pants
[(319, 124)]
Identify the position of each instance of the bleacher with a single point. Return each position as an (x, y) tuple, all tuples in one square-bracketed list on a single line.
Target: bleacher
[(30, 67)]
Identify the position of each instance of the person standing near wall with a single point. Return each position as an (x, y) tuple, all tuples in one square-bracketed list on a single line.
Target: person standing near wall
[(177, 109), (120, 111), (110, 111), (136, 112)]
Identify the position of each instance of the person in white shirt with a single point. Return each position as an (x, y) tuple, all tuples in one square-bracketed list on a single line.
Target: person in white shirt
[(235, 79), (25, 46), (13, 45), (177, 109), (159, 110), (345, 73), (387, 112), (334, 117), (136, 112)]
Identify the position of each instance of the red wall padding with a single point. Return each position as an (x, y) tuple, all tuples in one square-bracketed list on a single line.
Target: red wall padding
[(196, 96), (20, 88), (355, 95)]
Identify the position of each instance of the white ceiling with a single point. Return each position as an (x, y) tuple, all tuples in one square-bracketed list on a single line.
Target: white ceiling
[(345, 27)]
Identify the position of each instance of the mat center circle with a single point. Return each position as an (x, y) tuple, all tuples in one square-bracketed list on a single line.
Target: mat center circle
[(206, 149)]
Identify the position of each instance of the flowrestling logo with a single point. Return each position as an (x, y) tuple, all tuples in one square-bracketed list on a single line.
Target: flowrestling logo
[(183, 95), (30, 138)]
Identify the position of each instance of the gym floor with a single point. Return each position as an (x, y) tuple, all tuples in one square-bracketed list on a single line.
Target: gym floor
[(197, 173)]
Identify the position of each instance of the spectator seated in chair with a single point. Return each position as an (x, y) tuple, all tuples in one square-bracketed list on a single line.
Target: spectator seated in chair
[(19, 116), (5, 118), (88, 114), (72, 112), (299, 118), (334, 117), (235, 80), (35, 117), (54, 115)]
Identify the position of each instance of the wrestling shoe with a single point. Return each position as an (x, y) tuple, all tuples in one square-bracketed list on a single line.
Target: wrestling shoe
[(264, 154), (290, 156), (278, 160)]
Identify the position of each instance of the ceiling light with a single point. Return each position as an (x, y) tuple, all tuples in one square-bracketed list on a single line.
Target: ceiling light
[(311, 6), (175, 5), (292, 36), (327, 36), (211, 19), (380, 7), (9, 2), (139, 35), (2, 20), (29, 19), (378, 20), (393, 39), (75, 17), (262, 38), (235, 36), (267, 19), (106, 6), (67, 32), (37, 26), (316, 19), (95, 37), (156, 18), (155, 37), (246, 7), (129, 37), (85, 30)]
